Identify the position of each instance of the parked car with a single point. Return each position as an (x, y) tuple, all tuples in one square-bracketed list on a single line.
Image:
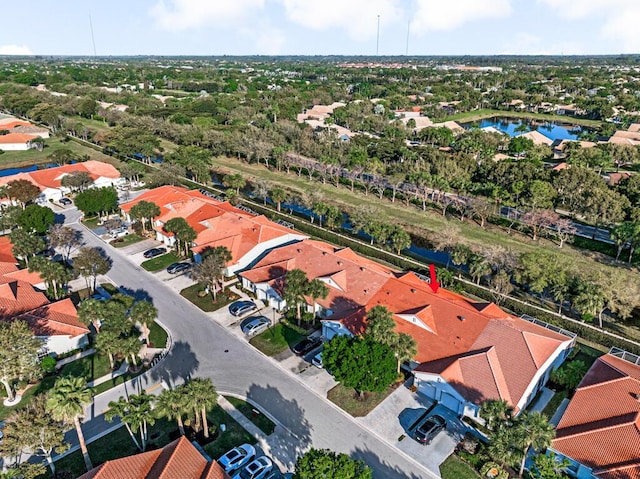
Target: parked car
[(429, 428), (120, 232), (317, 360), (255, 325), (65, 201), (257, 469), (306, 345), (176, 268), (153, 252), (237, 457), (238, 308)]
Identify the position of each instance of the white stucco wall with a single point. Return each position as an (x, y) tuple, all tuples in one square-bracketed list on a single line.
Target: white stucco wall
[(14, 146), (63, 344), (435, 387)]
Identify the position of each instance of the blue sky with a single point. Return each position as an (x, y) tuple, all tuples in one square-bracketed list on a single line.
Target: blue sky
[(318, 27)]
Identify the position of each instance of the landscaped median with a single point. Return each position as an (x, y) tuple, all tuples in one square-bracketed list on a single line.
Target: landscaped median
[(265, 424), (160, 262), (126, 240), (204, 300)]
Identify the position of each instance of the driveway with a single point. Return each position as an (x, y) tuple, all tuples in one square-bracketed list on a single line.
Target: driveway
[(204, 348), (395, 416)]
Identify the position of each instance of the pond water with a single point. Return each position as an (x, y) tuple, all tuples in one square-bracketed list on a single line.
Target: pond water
[(514, 127)]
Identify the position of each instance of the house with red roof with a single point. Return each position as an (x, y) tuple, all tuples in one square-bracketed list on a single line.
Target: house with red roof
[(179, 459), (216, 223), (21, 297), (599, 432), (49, 180), (17, 141), (467, 351)]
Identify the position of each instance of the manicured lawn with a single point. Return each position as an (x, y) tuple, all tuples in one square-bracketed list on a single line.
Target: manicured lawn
[(126, 241), (205, 302), (347, 399), (42, 387), (91, 367), (477, 115), (91, 223), (233, 436), (157, 336), (456, 468), (263, 422), (160, 262), (278, 338), (16, 159), (115, 445)]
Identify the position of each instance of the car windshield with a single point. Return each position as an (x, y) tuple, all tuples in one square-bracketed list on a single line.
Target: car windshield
[(248, 473), (233, 454)]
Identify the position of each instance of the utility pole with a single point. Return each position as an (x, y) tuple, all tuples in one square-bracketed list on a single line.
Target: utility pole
[(406, 51), (93, 40), (378, 38)]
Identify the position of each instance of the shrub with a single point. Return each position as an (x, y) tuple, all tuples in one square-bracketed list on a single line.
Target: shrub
[(48, 364), (493, 471)]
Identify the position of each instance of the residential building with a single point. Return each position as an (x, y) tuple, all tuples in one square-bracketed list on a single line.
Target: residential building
[(179, 459), (537, 138), (17, 142), (49, 180), (468, 351), (599, 433), (217, 223)]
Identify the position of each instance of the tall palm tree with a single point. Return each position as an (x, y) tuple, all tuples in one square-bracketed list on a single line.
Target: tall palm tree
[(66, 402), (205, 397), (405, 348), (316, 289), (172, 405), (533, 430), (136, 414), (145, 313), (295, 285), (495, 412)]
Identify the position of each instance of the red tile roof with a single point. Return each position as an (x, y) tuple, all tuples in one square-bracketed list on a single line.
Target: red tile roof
[(601, 426), (12, 138), (352, 280), (217, 223), (10, 125), (55, 319), (52, 177), (18, 297), (6, 250), (177, 460)]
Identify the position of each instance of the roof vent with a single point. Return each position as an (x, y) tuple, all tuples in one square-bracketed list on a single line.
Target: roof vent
[(413, 290), (362, 268), (339, 263), (299, 250), (636, 396), (366, 291), (461, 318), (324, 253)]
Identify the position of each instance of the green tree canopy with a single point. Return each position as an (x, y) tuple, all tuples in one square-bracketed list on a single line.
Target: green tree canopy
[(97, 201), (36, 219), (18, 354), (360, 363), (326, 464)]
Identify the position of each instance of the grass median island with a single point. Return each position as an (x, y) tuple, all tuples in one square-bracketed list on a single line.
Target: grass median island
[(157, 336), (456, 468), (347, 399), (279, 338), (160, 262), (126, 240), (196, 294), (265, 424)]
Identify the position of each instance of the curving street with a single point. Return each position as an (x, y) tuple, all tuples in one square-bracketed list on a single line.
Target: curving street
[(204, 348)]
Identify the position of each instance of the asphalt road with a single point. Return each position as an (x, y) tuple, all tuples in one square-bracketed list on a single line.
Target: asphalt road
[(205, 349)]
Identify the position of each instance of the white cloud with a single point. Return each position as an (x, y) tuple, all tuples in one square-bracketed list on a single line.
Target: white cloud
[(177, 15), (451, 14), (358, 18), (15, 50), (619, 18)]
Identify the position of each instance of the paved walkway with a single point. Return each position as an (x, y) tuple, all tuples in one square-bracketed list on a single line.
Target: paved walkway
[(70, 359), (107, 377)]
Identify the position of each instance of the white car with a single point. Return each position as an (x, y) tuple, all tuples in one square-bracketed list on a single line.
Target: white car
[(237, 457), (255, 325), (257, 469)]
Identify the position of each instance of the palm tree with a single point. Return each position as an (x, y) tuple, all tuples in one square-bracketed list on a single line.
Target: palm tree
[(533, 430), (495, 412), (172, 405), (478, 267), (66, 402), (405, 348), (204, 396), (294, 289), (211, 270), (380, 324), (278, 195), (109, 342), (316, 289), (145, 313), (136, 414)]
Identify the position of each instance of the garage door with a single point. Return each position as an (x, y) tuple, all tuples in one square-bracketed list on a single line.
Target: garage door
[(428, 390), (450, 402)]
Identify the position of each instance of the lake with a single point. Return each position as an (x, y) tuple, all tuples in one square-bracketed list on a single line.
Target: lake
[(512, 127)]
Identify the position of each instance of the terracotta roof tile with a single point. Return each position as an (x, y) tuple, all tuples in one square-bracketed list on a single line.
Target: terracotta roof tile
[(59, 318), (177, 460), (12, 138), (6, 250), (601, 426)]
